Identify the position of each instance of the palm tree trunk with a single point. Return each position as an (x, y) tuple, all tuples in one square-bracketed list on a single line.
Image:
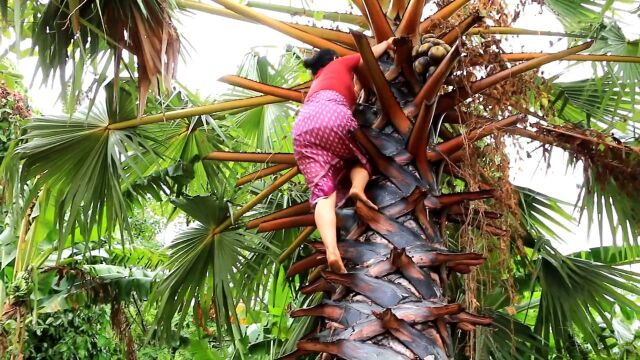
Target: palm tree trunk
[(392, 302)]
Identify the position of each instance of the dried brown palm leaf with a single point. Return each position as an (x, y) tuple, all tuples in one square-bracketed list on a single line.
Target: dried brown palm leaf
[(142, 28)]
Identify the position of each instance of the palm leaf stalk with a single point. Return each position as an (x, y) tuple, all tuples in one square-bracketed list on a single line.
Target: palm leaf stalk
[(282, 27), (332, 16), (340, 37), (196, 111), (579, 57), (506, 30)]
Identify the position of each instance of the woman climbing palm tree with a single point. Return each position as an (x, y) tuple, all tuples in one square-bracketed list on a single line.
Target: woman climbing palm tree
[(323, 146)]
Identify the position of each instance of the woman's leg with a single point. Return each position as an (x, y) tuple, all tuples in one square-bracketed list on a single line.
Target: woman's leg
[(359, 179), (325, 217)]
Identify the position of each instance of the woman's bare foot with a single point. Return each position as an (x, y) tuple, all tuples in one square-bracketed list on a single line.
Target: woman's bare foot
[(359, 195), (334, 260)]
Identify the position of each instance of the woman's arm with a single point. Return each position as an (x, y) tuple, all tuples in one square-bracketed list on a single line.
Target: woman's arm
[(354, 61), (377, 50), (380, 48)]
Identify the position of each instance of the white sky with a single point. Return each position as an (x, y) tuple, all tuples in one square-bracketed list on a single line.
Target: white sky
[(208, 56)]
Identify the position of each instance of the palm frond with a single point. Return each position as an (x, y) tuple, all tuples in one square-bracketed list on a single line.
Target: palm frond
[(203, 266), (508, 338), (611, 40), (610, 169), (611, 255), (174, 166), (539, 213), (81, 163), (581, 15), (140, 257), (604, 103), (101, 284), (94, 31), (579, 295), (610, 196), (601, 19)]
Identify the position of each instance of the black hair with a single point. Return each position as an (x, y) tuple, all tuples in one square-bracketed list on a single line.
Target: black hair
[(319, 60)]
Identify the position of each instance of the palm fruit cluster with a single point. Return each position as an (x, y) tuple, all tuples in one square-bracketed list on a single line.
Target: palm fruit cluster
[(428, 54)]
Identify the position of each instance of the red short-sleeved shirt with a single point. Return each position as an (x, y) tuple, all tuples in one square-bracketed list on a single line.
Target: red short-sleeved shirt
[(338, 76)]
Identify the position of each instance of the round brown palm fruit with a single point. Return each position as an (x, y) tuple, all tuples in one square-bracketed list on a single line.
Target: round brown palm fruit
[(434, 41), (421, 65), (426, 37), (421, 50), (437, 53)]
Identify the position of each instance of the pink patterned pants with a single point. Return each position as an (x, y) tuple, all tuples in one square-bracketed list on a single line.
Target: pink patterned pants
[(323, 145)]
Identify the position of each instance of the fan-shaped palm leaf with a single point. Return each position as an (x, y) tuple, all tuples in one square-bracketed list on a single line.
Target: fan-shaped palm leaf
[(267, 127), (203, 266), (80, 160), (611, 255), (178, 148), (578, 295), (508, 338), (599, 18), (605, 103), (538, 211), (611, 40), (579, 15), (609, 197)]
